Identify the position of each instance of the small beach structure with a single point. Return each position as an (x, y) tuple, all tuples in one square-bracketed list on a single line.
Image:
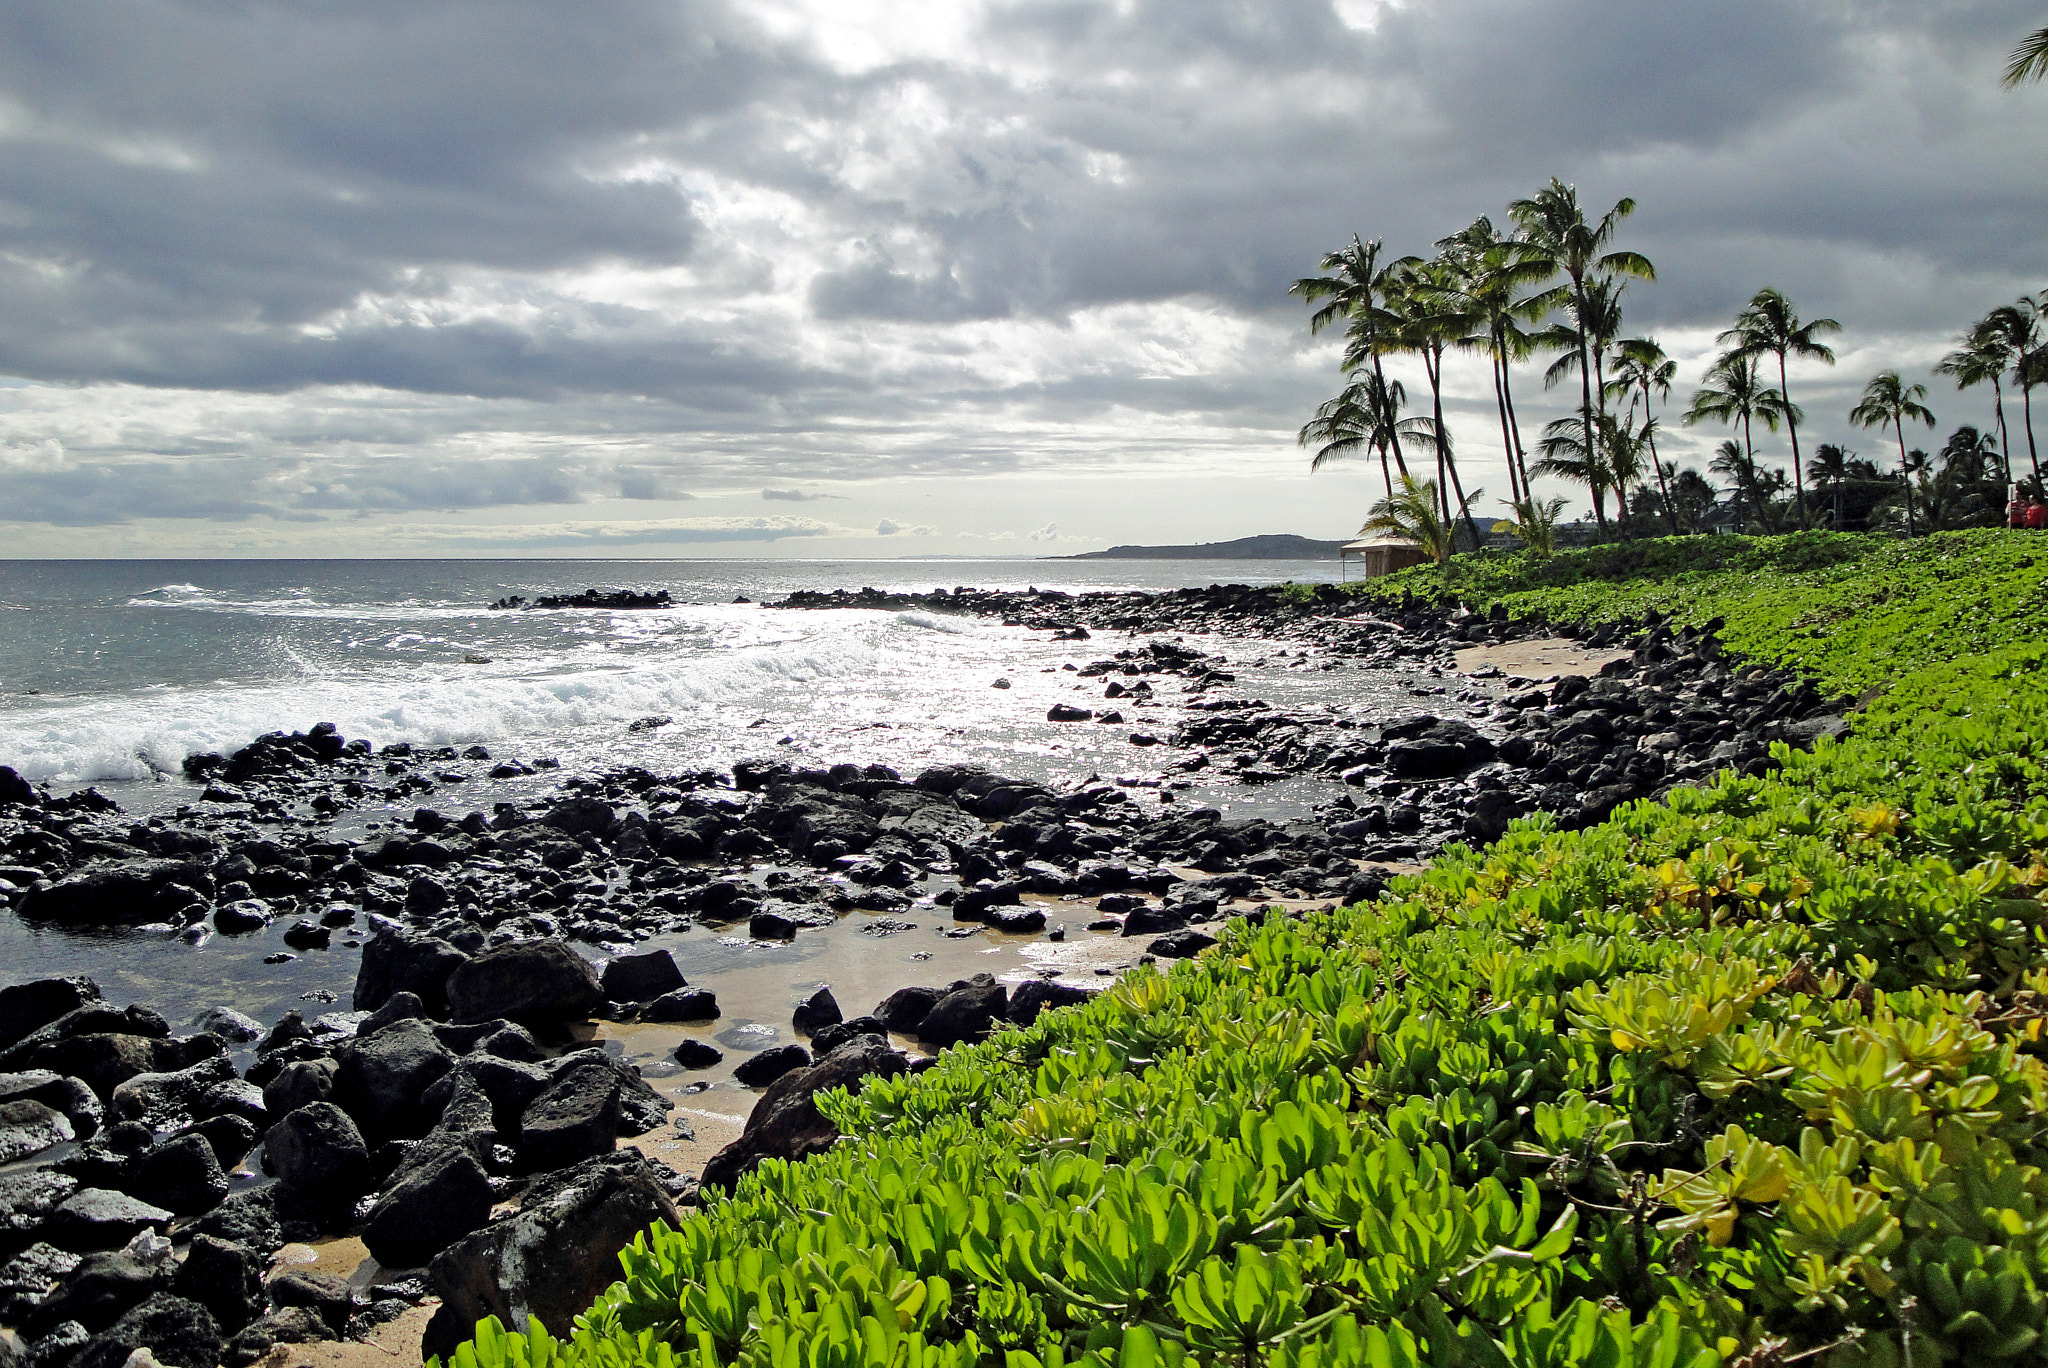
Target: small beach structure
[(1378, 554)]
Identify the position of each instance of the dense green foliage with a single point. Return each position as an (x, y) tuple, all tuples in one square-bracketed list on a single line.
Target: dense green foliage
[(1853, 612), (1753, 1075)]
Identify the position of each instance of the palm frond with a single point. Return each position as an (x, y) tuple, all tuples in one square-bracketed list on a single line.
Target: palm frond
[(2029, 61)]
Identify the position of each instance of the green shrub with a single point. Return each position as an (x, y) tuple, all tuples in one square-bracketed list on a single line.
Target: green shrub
[(1752, 1074)]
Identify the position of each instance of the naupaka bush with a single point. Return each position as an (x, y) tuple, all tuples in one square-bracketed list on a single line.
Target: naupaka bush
[(1751, 1075)]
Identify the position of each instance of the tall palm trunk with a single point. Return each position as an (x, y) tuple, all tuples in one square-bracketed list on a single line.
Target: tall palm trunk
[(2027, 400), (2004, 439), (1507, 391), (1620, 487), (1663, 484), (1756, 490), (1792, 428), (1588, 431), (1507, 437), (1433, 361), (1904, 474), (1399, 464)]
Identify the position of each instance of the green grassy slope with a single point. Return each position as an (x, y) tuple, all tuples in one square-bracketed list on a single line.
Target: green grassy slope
[(1854, 612), (1751, 1076)]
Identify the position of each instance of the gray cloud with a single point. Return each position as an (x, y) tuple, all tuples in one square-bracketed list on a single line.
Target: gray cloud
[(451, 255)]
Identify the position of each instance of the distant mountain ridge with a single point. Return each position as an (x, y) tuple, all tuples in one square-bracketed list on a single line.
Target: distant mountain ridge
[(1271, 546)]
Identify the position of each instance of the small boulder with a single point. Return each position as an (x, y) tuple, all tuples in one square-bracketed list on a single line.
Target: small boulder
[(965, 1013), (28, 1197), (532, 982), (381, 1081), (1030, 999), (550, 1259), (94, 1218), (815, 1012), (904, 1010), (27, 1007), (1016, 920), (433, 1201), (183, 1175), (225, 1278), (178, 1333), (786, 1122), (642, 977), (1182, 944), (99, 1290), (318, 1153), (29, 1127), (764, 1068), (299, 1083), (324, 1294), (286, 1325), (400, 961), (685, 1004), (693, 1053), (575, 1119)]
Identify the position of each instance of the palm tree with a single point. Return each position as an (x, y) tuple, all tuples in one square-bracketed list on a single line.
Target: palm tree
[(1365, 417), (1889, 402), (2029, 61), (2018, 330), (1588, 330), (1424, 300), (1694, 496), (1495, 272), (1831, 471), (1535, 523), (1968, 457), (1735, 463), (1912, 470), (1733, 393), (1568, 455), (1769, 325), (1985, 354), (1642, 370), (1412, 513), (1624, 444), (1356, 294), (1553, 228)]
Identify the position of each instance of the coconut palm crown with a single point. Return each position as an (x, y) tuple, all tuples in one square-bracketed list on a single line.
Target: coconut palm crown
[(1769, 326)]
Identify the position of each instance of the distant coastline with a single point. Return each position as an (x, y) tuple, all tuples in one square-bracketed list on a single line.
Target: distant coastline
[(1272, 546)]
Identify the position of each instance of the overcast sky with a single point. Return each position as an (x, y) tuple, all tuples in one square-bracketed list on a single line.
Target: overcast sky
[(880, 278)]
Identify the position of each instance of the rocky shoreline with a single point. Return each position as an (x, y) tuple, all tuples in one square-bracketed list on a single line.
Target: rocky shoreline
[(455, 1119)]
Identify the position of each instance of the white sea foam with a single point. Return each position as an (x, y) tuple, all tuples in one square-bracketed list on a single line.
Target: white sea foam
[(548, 700), (937, 622)]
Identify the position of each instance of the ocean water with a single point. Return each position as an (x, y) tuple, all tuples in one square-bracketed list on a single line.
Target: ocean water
[(112, 672)]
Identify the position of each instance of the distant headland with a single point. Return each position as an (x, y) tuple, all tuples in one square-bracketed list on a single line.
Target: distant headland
[(1272, 546)]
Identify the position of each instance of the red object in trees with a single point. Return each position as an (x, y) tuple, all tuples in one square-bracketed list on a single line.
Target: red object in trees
[(2037, 514)]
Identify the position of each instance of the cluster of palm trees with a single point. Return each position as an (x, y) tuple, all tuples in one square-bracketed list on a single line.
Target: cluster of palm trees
[(1554, 284), (1485, 291)]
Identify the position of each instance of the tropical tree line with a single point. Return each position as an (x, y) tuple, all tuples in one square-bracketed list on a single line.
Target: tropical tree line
[(1552, 287)]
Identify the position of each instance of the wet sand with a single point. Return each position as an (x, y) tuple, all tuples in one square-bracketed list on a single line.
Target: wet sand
[(1544, 658)]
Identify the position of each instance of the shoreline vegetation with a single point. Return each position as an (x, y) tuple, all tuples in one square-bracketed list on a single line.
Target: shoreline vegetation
[(1751, 1074)]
